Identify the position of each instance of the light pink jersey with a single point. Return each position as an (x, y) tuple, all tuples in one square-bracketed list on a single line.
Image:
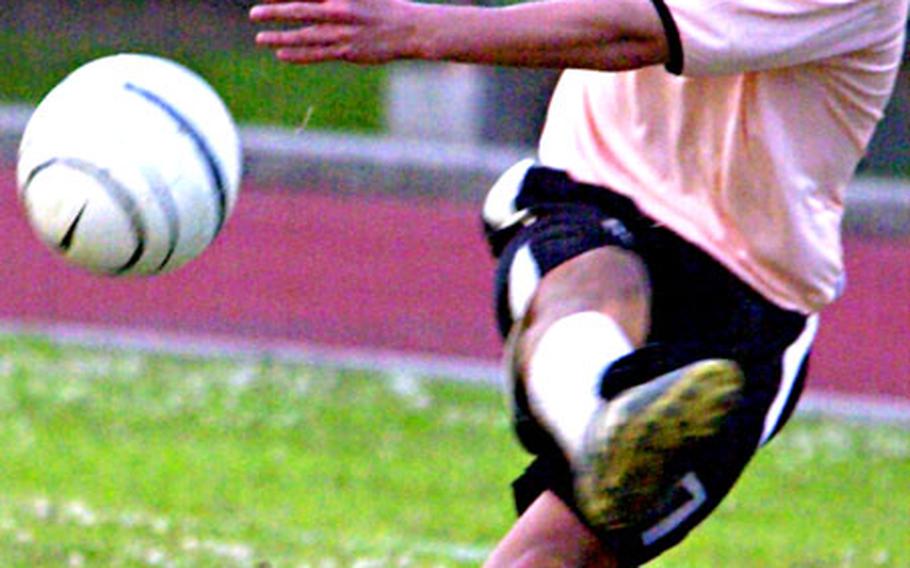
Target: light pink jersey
[(745, 143)]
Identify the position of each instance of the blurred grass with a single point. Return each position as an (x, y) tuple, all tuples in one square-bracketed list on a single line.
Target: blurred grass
[(117, 457), (136, 459), (256, 88)]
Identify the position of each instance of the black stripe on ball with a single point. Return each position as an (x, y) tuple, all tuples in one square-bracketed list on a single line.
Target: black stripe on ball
[(205, 150), (67, 241), (168, 205), (118, 193)]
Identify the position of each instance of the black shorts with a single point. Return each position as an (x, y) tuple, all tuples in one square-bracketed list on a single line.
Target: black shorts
[(699, 310)]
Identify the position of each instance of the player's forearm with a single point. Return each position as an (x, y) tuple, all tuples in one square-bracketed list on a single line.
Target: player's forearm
[(596, 34)]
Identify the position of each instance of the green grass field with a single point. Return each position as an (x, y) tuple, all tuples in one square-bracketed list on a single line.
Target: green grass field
[(137, 459), (257, 89)]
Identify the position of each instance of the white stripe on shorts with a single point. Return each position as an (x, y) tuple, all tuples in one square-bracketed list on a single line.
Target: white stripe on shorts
[(524, 277), (794, 357)]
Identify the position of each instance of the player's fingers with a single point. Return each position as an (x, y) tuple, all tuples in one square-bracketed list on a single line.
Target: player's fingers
[(273, 39), (320, 13), (305, 37), (282, 12), (306, 55)]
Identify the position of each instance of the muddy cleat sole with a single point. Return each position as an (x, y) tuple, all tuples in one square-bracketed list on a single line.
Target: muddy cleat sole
[(628, 463)]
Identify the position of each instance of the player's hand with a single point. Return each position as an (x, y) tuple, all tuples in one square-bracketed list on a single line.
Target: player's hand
[(356, 31)]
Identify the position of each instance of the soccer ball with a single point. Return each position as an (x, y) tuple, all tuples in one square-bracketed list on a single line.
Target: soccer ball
[(130, 165)]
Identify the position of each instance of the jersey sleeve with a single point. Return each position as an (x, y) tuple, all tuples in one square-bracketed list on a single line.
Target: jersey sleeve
[(717, 37)]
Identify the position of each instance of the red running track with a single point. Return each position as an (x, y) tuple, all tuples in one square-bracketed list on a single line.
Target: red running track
[(389, 274)]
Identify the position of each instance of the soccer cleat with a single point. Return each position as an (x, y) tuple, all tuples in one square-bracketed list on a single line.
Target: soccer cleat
[(629, 460)]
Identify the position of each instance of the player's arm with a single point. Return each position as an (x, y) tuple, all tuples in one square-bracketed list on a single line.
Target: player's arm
[(594, 34)]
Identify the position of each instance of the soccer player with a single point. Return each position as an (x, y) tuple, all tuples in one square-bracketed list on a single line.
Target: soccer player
[(663, 260)]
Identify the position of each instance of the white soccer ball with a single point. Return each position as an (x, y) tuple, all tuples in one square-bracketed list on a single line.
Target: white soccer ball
[(130, 165)]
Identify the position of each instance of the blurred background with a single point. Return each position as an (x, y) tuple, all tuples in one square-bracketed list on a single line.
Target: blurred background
[(356, 242), (483, 104), (357, 225)]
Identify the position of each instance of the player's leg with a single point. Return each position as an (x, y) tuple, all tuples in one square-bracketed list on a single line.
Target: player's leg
[(568, 290), (578, 304), (585, 313), (576, 300), (549, 534)]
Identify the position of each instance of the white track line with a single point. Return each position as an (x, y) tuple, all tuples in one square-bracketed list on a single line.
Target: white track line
[(856, 407), (464, 369), (814, 402)]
